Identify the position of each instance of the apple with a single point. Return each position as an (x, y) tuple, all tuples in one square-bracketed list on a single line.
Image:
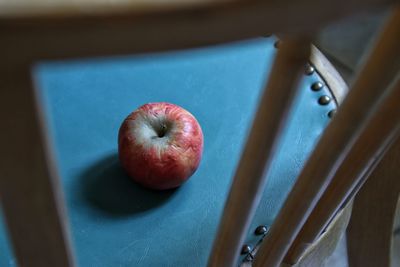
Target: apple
[(160, 145)]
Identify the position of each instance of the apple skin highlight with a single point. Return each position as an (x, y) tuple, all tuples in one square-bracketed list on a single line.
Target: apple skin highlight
[(160, 145)]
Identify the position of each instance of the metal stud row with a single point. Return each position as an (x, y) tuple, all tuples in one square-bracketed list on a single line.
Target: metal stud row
[(317, 86), (260, 230)]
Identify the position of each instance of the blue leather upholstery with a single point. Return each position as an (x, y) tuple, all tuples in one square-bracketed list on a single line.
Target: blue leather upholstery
[(113, 221)]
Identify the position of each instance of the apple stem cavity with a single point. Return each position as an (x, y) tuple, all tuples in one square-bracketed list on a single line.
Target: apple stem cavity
[(162, 130)]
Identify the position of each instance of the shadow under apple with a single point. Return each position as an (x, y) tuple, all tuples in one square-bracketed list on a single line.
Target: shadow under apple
[(107, 187)]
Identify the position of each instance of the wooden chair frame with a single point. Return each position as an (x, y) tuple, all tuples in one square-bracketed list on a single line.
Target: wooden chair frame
[(29, 185)]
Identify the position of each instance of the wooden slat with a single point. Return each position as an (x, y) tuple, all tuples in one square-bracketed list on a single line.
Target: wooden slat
[(380, 133), (29, 190), (23, 8), (370, 231), (56, 36), (19, 10), (249, 180), (334, 145)]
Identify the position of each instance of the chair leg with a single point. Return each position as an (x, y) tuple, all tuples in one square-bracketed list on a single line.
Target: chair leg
[(370, 229), (29, 190)]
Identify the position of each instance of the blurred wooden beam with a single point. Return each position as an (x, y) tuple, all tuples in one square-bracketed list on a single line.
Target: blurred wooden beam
[(121, 31), (30, 193)]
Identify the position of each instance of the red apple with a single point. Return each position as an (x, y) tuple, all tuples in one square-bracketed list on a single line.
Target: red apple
[(160, 145)]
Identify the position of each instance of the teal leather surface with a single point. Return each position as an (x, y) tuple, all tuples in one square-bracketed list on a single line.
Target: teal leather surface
[(115, 222), (6, 254)]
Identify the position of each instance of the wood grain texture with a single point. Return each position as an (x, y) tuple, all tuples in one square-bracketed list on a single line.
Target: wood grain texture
[(370, 231), (58, 36), (249, 180), (377, 137), (335, 144), (29, 190)]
